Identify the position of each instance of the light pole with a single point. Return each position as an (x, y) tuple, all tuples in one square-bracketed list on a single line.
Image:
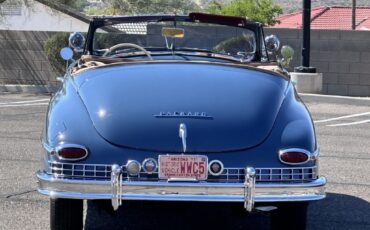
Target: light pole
[(305, 78), (306, 39), (354, 5)]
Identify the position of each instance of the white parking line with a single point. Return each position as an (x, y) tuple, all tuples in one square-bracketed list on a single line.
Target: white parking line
[(335, 96), (350, 123), (20, 105), (23, 102), (343, 117)]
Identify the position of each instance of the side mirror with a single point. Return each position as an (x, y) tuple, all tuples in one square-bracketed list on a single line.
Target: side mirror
[(272, 43), (66, 53), (77, 41), (287, 52)]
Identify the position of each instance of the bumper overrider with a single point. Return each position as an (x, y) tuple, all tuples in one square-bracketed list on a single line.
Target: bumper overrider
[(118, 189)]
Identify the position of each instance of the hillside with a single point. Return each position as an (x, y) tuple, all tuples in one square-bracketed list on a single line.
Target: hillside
[(292, 6), (295, 5)]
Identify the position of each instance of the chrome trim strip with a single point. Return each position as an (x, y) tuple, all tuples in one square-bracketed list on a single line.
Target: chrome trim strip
[(47, 147), (102, 171), (315, 154), (308, 153), (180, 191), (56, 162)]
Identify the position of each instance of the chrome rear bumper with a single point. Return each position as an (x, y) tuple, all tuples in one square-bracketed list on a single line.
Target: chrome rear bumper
[(248, 192)]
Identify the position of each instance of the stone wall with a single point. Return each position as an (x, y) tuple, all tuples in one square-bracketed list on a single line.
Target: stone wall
[(342, 56), (22, 60)]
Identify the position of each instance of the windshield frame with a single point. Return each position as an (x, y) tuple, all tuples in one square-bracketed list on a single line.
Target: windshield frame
[(239, 22)]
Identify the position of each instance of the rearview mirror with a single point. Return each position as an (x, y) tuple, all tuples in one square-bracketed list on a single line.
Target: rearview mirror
[(173, 32)]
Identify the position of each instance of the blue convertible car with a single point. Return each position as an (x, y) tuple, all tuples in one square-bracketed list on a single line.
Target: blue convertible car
[(178, 108)]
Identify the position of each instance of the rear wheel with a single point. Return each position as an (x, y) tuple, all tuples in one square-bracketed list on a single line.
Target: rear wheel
[(66, 214), (289, 215)]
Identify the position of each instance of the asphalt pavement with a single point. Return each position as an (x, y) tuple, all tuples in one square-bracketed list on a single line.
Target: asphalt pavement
[(343, 133)]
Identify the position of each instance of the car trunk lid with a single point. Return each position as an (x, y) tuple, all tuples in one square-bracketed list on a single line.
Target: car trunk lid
[(141, 106)]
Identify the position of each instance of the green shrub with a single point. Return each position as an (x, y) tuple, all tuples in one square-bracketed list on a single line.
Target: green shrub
[(52, 50), (234, 45)]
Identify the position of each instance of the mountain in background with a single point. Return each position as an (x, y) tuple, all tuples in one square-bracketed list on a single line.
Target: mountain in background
[(288, 6)]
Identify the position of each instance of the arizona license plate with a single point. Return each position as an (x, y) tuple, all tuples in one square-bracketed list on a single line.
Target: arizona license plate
[(183, 167)]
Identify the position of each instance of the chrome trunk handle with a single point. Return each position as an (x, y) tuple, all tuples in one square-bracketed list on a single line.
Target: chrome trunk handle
[(183, 135)]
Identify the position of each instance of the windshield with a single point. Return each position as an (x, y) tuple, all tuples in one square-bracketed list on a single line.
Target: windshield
[(197, 37)]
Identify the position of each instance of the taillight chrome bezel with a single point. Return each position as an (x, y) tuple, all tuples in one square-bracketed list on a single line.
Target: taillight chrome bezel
[(64, 146), (310, 156)]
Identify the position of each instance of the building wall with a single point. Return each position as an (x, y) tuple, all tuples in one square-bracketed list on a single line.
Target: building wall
[(22, 60), (38, 17), (342, 56)]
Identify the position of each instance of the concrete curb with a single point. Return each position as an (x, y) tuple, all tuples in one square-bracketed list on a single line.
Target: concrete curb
[(307, 82), (36, 89)]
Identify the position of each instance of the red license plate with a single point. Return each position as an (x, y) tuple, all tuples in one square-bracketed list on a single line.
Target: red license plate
[(183, 167)]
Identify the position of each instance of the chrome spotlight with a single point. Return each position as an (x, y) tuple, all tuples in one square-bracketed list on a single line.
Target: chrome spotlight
[(133, 168), (215, 167), (150, 165)]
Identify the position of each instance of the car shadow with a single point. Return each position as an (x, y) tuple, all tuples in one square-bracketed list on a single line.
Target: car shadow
[(337, 211)]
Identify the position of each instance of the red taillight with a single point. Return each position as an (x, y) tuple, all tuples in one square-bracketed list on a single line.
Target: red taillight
[(293, 157), (72, 153)]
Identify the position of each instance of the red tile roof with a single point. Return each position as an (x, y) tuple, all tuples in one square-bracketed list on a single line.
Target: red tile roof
[(335, 17)]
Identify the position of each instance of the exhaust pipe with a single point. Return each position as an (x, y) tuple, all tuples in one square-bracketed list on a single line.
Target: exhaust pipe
[(265, 208)]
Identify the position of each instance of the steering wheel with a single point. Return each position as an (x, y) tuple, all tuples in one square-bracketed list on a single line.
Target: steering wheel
[(121, 45)]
